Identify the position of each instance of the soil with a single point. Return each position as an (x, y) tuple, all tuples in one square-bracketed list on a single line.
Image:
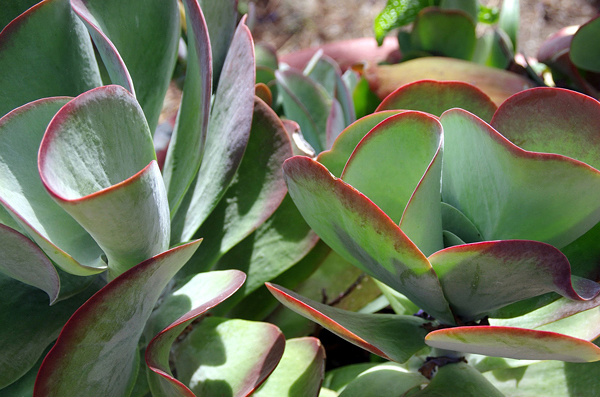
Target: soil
[(290, 25)]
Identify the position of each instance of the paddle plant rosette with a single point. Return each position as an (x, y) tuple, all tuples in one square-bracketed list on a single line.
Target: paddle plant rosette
[(481, 226), (94, 235)]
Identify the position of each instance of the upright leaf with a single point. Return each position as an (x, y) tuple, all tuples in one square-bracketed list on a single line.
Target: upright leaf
[(397, 13)]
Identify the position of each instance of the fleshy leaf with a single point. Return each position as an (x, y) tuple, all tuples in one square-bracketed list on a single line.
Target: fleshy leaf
[(458, 380), (497, 84), (478, 278), (231, 357), (459, 225), (46, 38), (448, 33), (397, 13), (435, 97), (203, 292), (186, 147), (381, 379), (96, 351), (527, 195), (24, 261), (363, 234), (228, 134), (307, 103), (393, 337), (221, 18), (13, 9), (29, 324), (97, 161), (255, 192), (335, 158), (300, 371), (584, 50), (552, 120), (410, 142), (22, 193), (514, 343), (509, 19)]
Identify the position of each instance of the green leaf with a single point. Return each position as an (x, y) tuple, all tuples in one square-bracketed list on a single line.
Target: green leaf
[(494, 49), (23, 195), (397, 13), (24, 261), (228, 134), (390, 336), (186, 147), (307, 103), (255, 192), (266, 56), (459, 225), (46, 38), (544, 120), (29, 325), (478, 278), (527, 195), (300, 371), (146, 35), (512, 342), (363, 234), (203, 292), (435, 97), (444, 32), (509, 19), (228, 357), (584, 52), (97, 161), (96, 353), (13, 9), (488, 15), (335, 158), (469, 7), (381, 379), (458, 380)]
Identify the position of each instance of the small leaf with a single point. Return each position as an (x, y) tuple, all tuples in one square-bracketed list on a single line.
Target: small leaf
[(363, 234), (393, 337), (509, 19), (97, 161), (397, 13), (458, 380), (96, 351), (584, 52), (379, 380), (230, 357), (300, 371), (435, 97), (514, 343), (459, 225)]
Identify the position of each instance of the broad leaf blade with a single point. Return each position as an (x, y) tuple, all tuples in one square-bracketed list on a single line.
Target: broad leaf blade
[(527, 195), (392, 337), (436, 97), (46, 38), (361, 233), (96, 351), (379, 380), (97, 160), (23, 194), (458, 380), (514, 343), (584, 52), (232, 357)]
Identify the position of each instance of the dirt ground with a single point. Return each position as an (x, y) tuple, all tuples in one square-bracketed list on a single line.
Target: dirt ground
[(294, 24)]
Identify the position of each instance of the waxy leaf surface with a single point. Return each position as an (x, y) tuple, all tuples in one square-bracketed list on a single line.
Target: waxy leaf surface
[(478, 278), (200, 294), (13, 9), (97, 160), (228, 134), (363, 234), (300, 371), (221, 18), (96, 352), (512, 342), (186, 147), (23, 194), (435, 97), (381, 379), (458, 380), (392, 337), (584, 52), (228, 356), (510, 193), (46, 38), (552, 120)]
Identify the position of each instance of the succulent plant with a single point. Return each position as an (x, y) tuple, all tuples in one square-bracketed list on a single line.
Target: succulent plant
[(91, 224), (480, 226)]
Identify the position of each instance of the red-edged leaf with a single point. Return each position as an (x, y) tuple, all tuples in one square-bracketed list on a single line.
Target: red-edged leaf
[(363, 234), (478, 278), (393, 337), (203, 292), (511, 342), (436, 97), (96, 351)]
